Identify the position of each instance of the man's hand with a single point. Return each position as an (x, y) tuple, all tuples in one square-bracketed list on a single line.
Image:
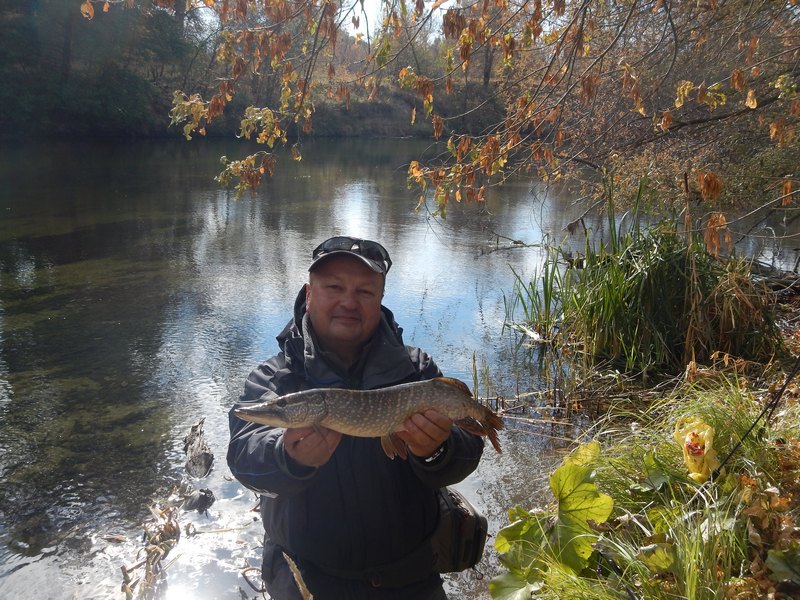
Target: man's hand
[(425, 432), (311, 446)]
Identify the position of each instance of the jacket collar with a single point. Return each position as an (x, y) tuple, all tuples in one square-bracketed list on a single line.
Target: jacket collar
[(384, 360)]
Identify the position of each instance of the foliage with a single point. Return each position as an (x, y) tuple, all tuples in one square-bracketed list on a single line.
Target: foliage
[(566, 536), (650, 298), (700, 96), (668, 536), (581, 82), (63, 74)]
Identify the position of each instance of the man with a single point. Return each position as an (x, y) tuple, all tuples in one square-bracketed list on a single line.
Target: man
[(351, 519)]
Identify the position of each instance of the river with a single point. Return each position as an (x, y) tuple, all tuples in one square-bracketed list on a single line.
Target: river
[(136, 296)]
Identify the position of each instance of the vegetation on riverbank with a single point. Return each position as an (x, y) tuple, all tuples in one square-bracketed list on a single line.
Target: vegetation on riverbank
[(688, 486), (630, 521)]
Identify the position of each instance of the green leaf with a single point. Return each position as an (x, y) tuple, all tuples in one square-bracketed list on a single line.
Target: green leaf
[(520, 544), (785, 565), (578, 502), (658, 557), (511, 587), (655, 477)]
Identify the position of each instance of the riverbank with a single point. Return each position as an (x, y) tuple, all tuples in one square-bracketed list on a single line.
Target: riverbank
[(688, 489)]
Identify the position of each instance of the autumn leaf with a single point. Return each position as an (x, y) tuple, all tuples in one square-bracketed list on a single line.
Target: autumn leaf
[(787, 193), (87, 10), (684, 89), (710, 185), (438, 126), (751, 101), (737, 80), (666, 120)]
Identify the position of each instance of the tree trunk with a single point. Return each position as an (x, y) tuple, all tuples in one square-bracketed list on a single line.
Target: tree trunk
[(488, 59), (179, 6), (66, 47)]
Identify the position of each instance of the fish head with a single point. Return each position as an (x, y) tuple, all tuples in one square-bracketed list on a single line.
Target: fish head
[(301, 409)]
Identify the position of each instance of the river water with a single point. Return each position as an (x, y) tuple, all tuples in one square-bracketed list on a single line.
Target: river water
[(135, 297)]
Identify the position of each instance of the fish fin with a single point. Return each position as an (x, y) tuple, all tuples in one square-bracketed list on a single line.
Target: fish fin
[(456, 383), (488, 429), (394, 446)]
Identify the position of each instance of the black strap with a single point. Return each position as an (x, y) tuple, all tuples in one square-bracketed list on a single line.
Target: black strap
[(414, 567)]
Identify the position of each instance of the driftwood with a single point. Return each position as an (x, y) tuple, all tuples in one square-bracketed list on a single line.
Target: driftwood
[(199, 457)]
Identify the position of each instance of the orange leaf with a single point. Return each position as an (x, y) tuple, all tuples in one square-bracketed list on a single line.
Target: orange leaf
[(87, 10), (666, 120), (106, 6), (438, 126), (737, 80), (787, 193), (710, 185)]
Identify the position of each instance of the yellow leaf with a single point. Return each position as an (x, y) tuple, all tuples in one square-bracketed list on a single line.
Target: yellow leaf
[(751, 101), (684, 89), (87, 10), (413, 115)]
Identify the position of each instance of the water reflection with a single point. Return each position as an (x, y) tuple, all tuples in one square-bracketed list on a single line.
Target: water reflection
[(135, 296)]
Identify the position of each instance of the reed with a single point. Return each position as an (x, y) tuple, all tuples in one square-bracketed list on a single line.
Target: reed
[(647, 299)]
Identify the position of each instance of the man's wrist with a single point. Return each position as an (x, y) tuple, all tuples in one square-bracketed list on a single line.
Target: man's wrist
[(437, 454)]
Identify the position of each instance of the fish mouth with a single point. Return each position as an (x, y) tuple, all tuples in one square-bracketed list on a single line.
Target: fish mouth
[(254, 415)]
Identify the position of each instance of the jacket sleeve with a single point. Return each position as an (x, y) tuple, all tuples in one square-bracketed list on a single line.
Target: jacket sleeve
[(255, 452), (461, 452)]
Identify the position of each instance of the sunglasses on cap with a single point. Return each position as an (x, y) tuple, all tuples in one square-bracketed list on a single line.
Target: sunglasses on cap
[(373, 252)]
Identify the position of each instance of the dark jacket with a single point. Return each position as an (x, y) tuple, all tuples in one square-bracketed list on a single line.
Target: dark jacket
[(361, 509)]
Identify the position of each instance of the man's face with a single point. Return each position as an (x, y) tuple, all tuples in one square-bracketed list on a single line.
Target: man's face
[(343, 300)]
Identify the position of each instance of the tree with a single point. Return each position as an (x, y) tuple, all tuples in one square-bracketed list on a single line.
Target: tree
[(676, 89)]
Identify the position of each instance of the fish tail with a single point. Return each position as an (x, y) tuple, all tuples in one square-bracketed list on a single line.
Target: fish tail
[(489, 428)]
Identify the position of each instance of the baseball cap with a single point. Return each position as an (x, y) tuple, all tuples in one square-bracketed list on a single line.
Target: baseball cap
[(370, 253)]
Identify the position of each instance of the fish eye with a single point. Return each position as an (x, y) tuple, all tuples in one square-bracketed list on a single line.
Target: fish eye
[(281, 402)]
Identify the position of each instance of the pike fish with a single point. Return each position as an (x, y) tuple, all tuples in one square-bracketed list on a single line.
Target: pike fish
[(377, 413)]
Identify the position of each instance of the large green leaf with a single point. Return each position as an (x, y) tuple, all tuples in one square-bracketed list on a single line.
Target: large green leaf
[(579, 501), (511, 587), (520, 543)]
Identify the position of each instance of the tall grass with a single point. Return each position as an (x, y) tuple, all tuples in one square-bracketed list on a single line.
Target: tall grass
[(647, 299)]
